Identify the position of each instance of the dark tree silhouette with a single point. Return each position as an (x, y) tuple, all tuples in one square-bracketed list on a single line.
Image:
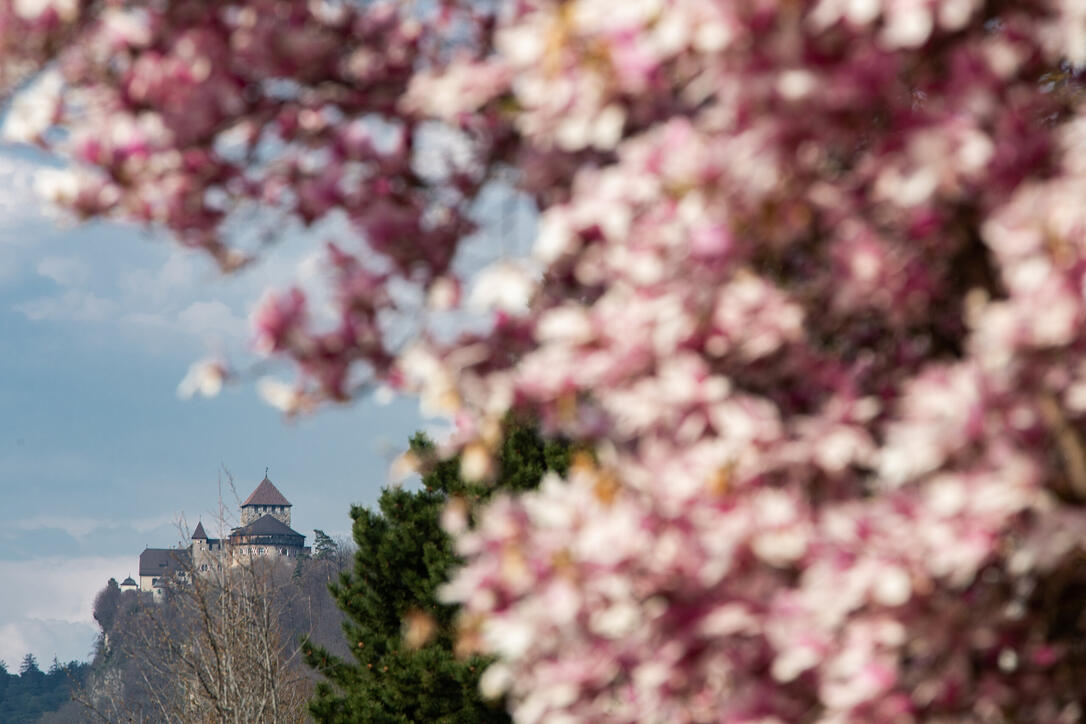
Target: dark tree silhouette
[(404, 664)]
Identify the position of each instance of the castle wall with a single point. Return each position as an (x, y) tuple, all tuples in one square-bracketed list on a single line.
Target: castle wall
[(206, 556), (252, 512), (241, 553)]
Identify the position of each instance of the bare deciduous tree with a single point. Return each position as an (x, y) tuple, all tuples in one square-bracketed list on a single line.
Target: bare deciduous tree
[(221, 646), (233, 662)]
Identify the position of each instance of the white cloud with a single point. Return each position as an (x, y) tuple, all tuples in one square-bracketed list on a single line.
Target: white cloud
[(165, 297), (212, 320), (45, 638), (18, 204), (48, 603), (144, 323), (55, 587), (173, 300), (80, 527), (66, 271), (73, 305), (20, 212), (178, 276)]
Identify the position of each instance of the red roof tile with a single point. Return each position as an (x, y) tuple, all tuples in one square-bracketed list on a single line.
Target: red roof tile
[(265, 494)]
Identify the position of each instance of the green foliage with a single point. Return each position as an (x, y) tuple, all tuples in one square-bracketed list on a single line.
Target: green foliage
[(32, 693), (323, 547), (403, 557), (29, 666)]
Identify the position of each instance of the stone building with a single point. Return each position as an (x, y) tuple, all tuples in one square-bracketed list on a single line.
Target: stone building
[(206, 552), (158, 565), (265, 527), (266, 500), (264, 532)]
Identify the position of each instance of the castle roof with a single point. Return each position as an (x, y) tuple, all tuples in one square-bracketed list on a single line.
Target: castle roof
[(266, 494), (164, 561), (128, 582), (267, 525), (199, 533)]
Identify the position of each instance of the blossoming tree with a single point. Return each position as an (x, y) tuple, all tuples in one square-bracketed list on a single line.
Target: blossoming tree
[(809, 276)]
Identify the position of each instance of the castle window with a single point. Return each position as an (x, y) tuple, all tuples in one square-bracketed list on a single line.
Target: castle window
[(260, 551)]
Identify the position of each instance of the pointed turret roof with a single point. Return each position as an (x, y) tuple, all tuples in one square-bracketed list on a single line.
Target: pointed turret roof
[(266, 494), (199, 533)]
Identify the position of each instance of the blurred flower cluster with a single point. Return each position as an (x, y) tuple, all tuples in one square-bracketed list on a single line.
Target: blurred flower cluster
[(813, 287)]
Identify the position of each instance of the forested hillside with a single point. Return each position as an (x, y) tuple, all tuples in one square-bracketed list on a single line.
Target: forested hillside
[(31, 693), (226, 642)]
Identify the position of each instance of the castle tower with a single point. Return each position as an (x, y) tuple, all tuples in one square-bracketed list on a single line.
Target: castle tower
[(201, 548), (265, 500), (199, 536)]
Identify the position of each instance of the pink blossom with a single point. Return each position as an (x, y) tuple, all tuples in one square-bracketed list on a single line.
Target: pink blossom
[(807, 278)]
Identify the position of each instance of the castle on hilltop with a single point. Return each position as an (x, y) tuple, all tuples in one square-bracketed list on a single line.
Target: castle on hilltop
[(264, 532)]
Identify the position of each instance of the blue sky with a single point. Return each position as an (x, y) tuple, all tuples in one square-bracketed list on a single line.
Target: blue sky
[(98, 456)]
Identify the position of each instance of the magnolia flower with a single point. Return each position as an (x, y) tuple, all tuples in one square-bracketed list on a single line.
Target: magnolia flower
[(279, 395), (806, 284), (60, 186), (66, 10), (476, 462), (205, 378), (405, 465), (35, 109), (504, 286)]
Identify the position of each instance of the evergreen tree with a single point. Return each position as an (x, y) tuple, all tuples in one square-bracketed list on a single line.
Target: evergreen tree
[(403, 557), (29, 665), (323, 546), (34, 693)]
